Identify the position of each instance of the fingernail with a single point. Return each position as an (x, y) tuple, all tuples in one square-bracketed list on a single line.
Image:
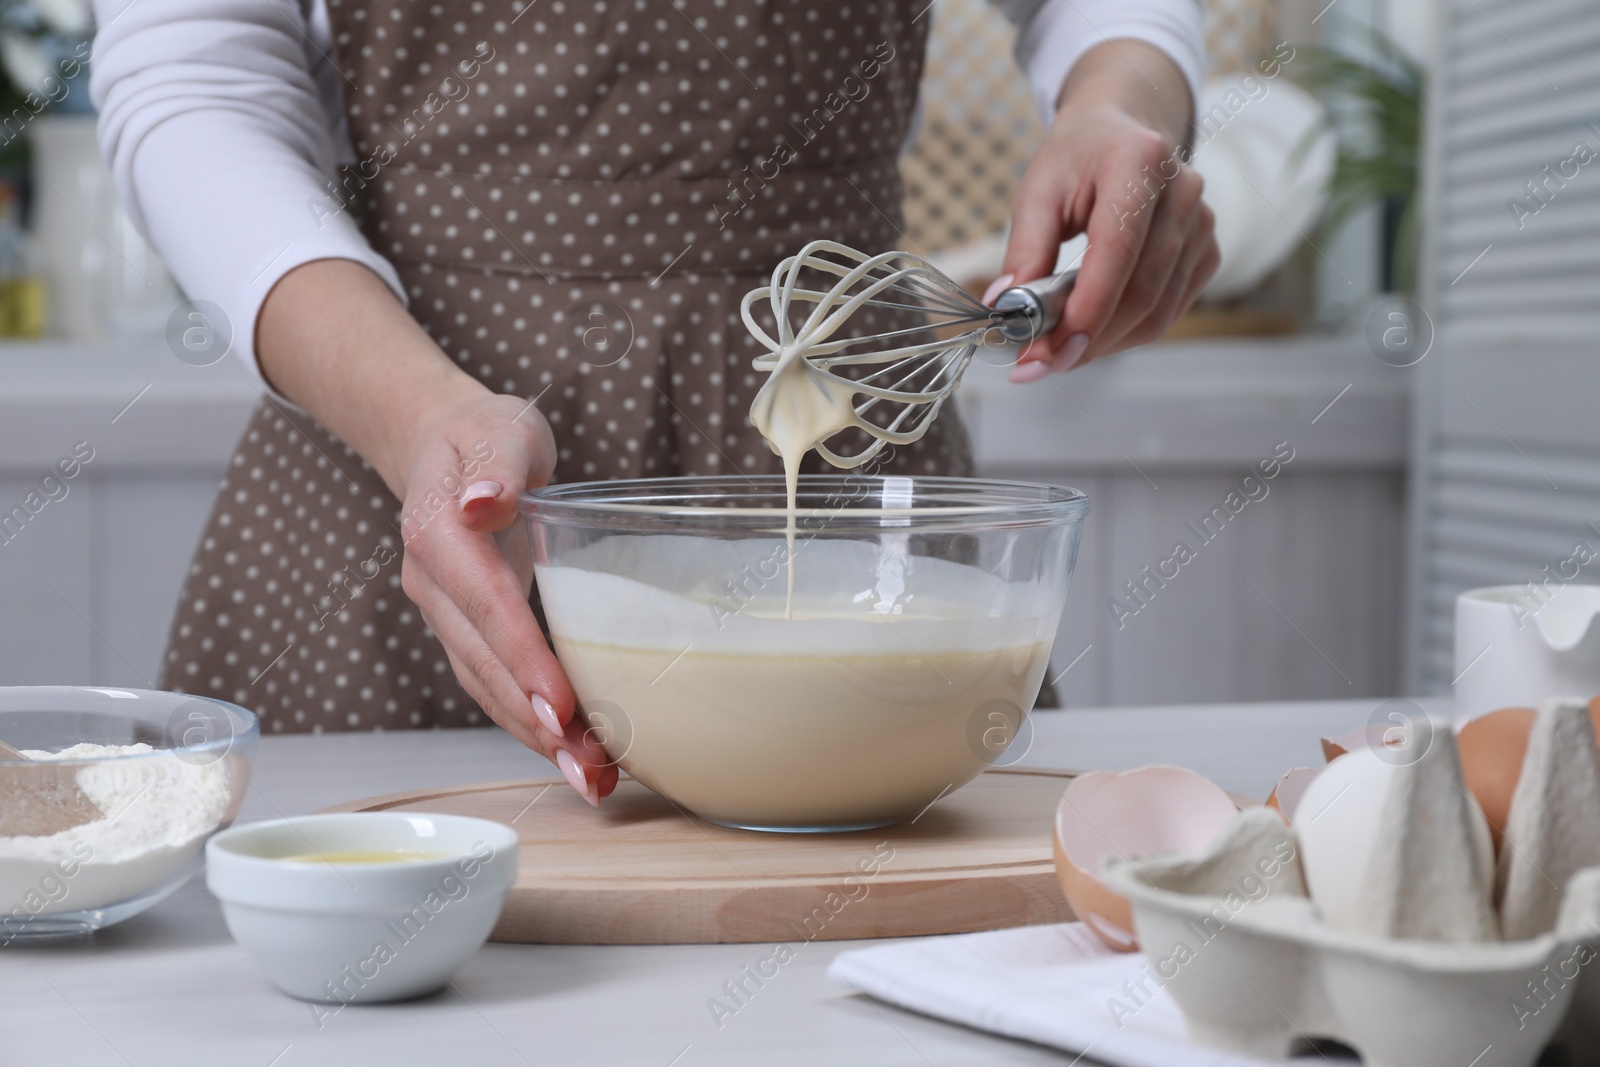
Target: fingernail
[(572, 771), (547, 715), (1070, 353), (1032, 371), (480, 491), (998, 286)]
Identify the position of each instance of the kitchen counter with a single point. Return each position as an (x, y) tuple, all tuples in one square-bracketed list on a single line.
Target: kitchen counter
[(170, 988), (1189, 403)]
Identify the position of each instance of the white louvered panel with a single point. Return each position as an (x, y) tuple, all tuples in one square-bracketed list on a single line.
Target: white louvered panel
[(1565, 63), (1506, 468), (1503, 10), (1547, 301), (1483, 41), (1500, 120), (1508, 513), (1493, 463), (1474, 551), (1495, 9), (1472, 556), (1481, 172), (1484, 21), (1555, 261), (1455, 571), (1481, 205), (1490, 514), (1519, 103), (1518, 88), (1549, 245), (1505, 551), (1540, 395), (1526, 308), (1483, 25), (1563, 60), (1498, 275)]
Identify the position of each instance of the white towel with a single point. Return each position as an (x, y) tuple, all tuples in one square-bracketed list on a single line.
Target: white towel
[(1054, 985)]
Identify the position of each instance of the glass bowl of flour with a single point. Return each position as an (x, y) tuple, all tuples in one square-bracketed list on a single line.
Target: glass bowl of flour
[(156, 774), (837, 666)]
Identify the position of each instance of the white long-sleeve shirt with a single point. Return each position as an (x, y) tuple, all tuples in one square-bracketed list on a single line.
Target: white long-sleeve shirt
[(221, 120)]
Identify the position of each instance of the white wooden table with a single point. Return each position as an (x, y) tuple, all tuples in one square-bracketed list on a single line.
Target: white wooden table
[(170, 988)]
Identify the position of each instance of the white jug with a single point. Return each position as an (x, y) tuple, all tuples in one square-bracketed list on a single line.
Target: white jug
[(1516, 646)]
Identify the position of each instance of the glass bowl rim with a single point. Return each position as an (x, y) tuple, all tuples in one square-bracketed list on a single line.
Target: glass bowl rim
[(600, 503), (247, 731)]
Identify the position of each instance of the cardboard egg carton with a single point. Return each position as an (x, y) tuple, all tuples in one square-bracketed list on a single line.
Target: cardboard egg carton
[(1233, 935)]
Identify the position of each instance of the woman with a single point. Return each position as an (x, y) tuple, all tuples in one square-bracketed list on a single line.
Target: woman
[(531, 262)]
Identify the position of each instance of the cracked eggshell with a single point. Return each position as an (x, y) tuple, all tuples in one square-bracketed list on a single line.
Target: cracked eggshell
[(1290, 790), (1354, 741), (1373, 735), (1132, 813), (1338, 821)]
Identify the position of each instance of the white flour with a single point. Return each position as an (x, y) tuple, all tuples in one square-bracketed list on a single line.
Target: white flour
[(157, 811)]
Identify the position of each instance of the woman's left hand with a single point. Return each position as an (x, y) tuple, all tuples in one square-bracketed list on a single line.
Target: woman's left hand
[(1111, 165)]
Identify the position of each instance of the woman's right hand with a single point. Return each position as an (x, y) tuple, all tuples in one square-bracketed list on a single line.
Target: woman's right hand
[(463, 474)]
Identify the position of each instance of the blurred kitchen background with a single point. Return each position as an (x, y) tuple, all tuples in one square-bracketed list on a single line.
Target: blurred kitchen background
[(1408, 306)]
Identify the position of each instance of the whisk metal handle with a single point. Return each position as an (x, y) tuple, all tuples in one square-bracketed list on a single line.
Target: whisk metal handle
[(1034, 308)]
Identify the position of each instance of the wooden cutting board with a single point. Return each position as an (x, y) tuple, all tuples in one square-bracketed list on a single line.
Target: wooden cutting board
[(642, 872)]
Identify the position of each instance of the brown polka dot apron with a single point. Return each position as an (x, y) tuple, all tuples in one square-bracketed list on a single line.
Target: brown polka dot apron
[(576, 194)]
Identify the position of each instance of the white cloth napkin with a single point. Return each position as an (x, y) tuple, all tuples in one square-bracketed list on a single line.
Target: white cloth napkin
[(1055, 985)]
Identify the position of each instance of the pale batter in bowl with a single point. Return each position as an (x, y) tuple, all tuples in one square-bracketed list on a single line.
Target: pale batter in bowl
[(919, 637)]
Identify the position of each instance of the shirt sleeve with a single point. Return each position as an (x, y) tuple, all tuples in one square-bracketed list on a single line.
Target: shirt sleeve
[(220, 122), (1052, 35)]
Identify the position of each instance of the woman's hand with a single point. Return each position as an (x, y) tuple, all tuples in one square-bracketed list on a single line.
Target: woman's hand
[(1111, 165), (469, 465), (333, 338)]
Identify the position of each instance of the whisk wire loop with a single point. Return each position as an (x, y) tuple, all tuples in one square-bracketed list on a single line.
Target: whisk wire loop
[(918, 368)]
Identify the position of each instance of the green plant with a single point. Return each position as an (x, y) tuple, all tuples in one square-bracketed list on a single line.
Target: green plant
[(1375, 108)]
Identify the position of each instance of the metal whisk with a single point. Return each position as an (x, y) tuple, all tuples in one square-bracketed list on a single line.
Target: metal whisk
[(918, 366)]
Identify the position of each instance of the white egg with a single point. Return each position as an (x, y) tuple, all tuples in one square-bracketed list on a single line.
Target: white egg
[(1337, 822)]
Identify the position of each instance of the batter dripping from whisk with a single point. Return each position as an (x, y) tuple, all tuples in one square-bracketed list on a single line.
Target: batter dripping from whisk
[(798, 408), (803, 403)]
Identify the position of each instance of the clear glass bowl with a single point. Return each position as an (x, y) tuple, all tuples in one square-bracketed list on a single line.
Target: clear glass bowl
[(922, 618), (158, 806)]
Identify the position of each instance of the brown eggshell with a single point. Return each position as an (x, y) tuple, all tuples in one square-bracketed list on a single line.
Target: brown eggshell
[(1134, 813), (1368, 736), (1108, 914), (1291, 787), (1492, 748)]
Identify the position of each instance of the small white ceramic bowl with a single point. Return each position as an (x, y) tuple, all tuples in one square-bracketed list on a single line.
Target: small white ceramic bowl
[(308, 902)]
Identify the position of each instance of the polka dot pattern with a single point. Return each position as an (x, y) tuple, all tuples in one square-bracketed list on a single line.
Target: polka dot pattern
[(576, 195)]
